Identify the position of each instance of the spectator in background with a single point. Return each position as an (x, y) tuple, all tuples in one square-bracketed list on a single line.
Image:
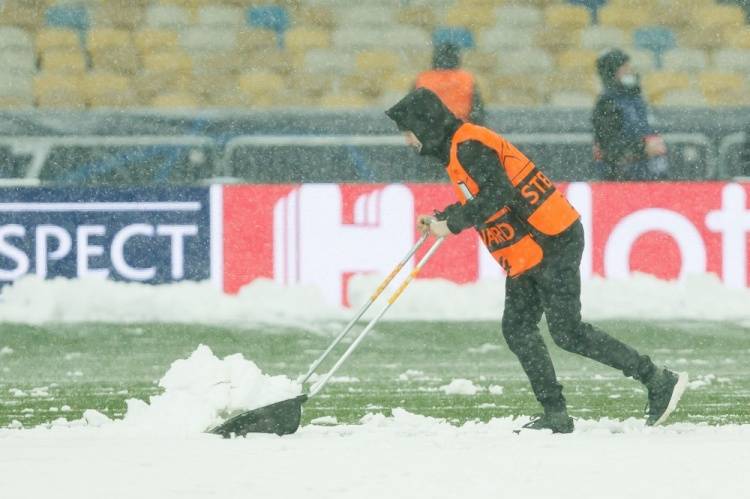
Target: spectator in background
[(456, 87), (626, 146)]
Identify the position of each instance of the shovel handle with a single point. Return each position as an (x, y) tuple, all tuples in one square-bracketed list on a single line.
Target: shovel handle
[(365, 306), (319, 385)]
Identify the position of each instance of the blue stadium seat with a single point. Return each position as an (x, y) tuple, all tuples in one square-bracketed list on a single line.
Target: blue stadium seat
[(592, 5), (74, 17), (273, 17), (462, 37), (656, 39)]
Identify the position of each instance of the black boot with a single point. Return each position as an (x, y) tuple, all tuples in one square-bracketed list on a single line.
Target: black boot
[(664, 391), (557, 421)]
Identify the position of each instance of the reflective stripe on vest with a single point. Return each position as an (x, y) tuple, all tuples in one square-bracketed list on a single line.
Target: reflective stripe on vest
[(538, 201), (455, 88)]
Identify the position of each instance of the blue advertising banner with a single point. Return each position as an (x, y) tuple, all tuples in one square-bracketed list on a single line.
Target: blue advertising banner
[(148, 235)]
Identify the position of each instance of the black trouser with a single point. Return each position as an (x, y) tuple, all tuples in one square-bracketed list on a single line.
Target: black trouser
[(554, 287)]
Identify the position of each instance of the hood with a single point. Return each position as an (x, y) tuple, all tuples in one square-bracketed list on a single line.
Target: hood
[(446, 56), (424, 114), (607, 65)]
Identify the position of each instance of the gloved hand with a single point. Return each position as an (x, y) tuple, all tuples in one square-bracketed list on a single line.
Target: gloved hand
[(438, 228), (655, 146)]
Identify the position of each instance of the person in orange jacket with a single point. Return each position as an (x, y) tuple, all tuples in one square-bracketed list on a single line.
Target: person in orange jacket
[(530, 229), (456, 87)]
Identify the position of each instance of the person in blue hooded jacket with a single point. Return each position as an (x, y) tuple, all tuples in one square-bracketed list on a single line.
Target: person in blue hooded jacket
[(626, 145)]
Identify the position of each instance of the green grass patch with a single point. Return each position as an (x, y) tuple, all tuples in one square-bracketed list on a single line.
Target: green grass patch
[(62, 369)]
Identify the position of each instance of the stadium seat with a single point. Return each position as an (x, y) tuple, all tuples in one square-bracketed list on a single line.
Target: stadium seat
[(417, 16), (15, 39), (482, 16), (75, 17), (460, 36), (18, 62), (260, 88), (273, 17), (152, 40), (58, 91), (329, 60), (723, 88), (569, 81), (168, 61), (220, 16), (732, 60), (251, 41), (738, 38), (171, 17), (602, 37), (57, 38), (505, 38), (528, 61), (201, 39), (175, 100), (16, 90), (513, 98), (25, 14), (642, 61), (680, 59), (678, 13), (481, 62), (518, 16), (398, 84), (315, 17), (378, 63), (63, 61), (577, 60), (108, 89), (717, 18), (303, 39), (566, 17), (658, 83), (625, 18), (655, 39), (555, 40), (113, 50), (120, 14), (366, 15)]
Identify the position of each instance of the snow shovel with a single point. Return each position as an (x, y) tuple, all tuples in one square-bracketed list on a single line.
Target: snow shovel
[(283, 418)]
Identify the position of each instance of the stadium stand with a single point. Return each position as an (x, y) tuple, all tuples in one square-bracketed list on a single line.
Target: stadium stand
[(209, 49)]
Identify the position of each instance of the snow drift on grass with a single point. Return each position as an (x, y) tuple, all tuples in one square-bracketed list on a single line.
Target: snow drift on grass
[(198, 393), (398, 456), (461, 386), (32, 300)]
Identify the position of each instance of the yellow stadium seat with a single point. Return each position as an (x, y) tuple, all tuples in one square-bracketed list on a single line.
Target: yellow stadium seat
[(399, 83), (255, 40), (57, 38), (317, 16), (23, 13), (480, 16), (344, 101), (107, 89), (561, 81), (378, 62), (58, 91), (112, 49), (624, 18), (175, 100), (105, 38), (480, 62), (63, 61), (16, 102), (681, 97), (417, 16), (156, 40), (263, 85), (529, 85), (738, 38), (559, 39), (148, 84), (513, 98), (122, 14), (168, 61), (717, 18), (720, 87), (678, 13), (577, 60), (658, 83), (566, 17), (303, 39)]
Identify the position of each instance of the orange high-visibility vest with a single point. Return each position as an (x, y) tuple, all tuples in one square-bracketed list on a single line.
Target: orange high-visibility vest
[(455, 87), (538, 203)]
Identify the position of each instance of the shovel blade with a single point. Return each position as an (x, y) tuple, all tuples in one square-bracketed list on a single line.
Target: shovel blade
[(281, 418)]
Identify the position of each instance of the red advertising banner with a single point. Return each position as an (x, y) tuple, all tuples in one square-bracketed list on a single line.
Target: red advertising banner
[(322, 234)]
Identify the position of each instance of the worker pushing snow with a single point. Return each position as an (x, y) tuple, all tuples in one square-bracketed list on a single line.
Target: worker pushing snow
[(530, 229)]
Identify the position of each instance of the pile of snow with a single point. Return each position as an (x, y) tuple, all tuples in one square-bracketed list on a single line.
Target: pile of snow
[(32, 300), (461, 386), (198, 393)]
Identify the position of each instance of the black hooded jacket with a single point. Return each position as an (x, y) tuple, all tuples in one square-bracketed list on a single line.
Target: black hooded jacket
[(423, 113)]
